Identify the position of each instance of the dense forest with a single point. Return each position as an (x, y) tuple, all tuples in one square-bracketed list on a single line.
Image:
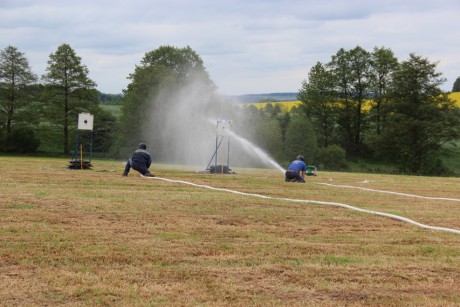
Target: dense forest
[(411, 126)]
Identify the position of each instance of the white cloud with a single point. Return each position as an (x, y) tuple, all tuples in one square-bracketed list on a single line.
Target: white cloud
[(247, 46)]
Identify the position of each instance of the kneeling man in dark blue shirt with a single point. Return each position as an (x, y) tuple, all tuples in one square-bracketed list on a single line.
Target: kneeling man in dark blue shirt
[(140, 161)]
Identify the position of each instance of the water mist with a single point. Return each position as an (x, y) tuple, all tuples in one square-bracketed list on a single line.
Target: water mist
[(181, 128), (256, 151)]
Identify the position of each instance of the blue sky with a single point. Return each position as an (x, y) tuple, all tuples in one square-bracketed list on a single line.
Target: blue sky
[(248, 46)]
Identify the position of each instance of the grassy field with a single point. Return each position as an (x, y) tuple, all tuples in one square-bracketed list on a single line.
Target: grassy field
[(93, 237), (115, 110)]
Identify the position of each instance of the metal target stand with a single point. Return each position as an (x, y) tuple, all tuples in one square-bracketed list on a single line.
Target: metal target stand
[(222, 132), (85, 123)]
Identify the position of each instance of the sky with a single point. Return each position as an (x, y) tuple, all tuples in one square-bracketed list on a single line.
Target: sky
[(247, 46)]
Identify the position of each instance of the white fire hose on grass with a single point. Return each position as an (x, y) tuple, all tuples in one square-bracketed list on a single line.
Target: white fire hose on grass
[(393, 216)]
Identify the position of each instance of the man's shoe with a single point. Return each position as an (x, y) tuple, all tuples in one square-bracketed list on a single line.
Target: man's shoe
[(125, 174), (149, 175)]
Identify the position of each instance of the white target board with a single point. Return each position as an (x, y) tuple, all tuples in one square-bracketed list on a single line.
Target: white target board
[(85, 121)]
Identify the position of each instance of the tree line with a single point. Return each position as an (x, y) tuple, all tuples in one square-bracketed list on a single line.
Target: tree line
[(409, 120), (41, 111), (366, 106)]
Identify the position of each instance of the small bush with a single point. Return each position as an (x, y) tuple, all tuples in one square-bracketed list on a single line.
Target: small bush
[(23, 140), (2, 140), (332, 158), (435, 167)]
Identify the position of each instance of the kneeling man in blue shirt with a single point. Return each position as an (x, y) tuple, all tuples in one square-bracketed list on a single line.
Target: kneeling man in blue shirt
[(296, 171)]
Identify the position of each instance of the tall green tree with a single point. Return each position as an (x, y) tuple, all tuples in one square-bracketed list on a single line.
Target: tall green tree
[(352, 72), (16, 78), (456, 86), (340, 68), (267, 134), (384, 64), (145, 82), (360, 61), (283, 121), (182, 62), (421, 117), (70, 90), (319, 98), (300, 139), (164, 79)]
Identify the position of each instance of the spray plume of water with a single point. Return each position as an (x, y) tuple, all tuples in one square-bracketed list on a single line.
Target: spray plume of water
[(253, 149), (176, 129), (181, 128)]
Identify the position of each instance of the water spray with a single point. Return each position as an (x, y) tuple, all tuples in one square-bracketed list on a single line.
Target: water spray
[(253, 149), (224, 132)]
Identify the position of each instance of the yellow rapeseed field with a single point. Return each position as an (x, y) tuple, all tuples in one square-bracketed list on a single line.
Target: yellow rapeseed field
[(288, 105), (455, 97)]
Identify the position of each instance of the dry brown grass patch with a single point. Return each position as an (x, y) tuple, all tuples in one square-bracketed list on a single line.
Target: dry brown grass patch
[(96, 238)]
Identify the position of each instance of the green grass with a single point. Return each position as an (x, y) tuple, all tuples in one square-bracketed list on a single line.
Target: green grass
[(115, 110), (71, 237)]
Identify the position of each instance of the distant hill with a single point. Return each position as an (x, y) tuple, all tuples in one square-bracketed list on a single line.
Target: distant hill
[(271, 97)]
